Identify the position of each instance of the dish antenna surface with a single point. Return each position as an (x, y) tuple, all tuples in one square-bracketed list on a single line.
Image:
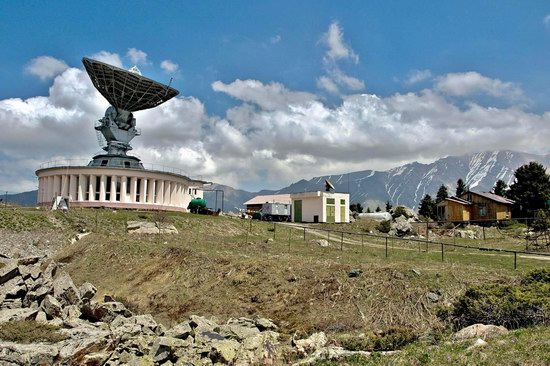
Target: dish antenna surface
[(329, 186), (127, 91)]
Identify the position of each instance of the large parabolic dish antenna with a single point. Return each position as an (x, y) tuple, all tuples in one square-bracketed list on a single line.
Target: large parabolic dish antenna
[(127, 91)]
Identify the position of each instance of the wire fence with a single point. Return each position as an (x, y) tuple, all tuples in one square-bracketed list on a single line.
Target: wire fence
[(344, 240)]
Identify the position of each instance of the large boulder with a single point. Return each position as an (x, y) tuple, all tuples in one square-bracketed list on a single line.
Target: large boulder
[(104, 312), (480, 331), (52, 307), (28, 354), (65, 291), (311, 344), (7, 315), (401, 226)]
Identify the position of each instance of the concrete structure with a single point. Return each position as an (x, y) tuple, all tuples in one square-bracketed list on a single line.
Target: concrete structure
[(113, 178), (90, 186), (330, 207), (255, 204), (475, 206)]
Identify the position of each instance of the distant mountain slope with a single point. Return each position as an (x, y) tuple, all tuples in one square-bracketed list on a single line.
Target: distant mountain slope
[(23, 199), (407, 184)]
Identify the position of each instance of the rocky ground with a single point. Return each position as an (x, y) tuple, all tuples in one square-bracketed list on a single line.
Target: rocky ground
[(90, 332)]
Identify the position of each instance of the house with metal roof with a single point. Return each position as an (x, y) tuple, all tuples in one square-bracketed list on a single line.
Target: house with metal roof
[(255, 204), (475, 206)]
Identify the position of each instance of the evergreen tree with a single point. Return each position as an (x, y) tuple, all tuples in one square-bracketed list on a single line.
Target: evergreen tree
[(427, 207), (388, 206), (460, 187), (378, 209), (368, 210), (531, 188), (442, 193), (356, 207), (500, 188)]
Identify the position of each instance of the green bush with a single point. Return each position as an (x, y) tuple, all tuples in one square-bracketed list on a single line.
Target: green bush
[(400, 211), (384, 226), (510, 305)]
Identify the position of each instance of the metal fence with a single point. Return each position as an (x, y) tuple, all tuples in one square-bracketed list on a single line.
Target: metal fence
[(340, 239)]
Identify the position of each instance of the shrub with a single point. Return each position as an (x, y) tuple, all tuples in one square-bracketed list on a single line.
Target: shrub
[(510, 305), (30, 331), (400, 211), (392, 339), (384, 226)]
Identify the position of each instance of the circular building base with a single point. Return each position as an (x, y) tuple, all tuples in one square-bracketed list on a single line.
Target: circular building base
[(117, 187)]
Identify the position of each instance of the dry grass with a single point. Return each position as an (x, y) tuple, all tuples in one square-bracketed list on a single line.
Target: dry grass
[(30, 331)]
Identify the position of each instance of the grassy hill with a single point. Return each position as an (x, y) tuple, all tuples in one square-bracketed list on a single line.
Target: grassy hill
[(227, 267)]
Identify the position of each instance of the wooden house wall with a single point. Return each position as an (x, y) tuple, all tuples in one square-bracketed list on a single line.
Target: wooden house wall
[(494, 210), (455, 211)]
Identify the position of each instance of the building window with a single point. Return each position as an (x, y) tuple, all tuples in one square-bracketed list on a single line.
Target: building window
[(330, 201), (342, 202), (482, 210)]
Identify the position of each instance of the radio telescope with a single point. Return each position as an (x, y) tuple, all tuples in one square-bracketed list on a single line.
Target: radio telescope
[(127, 91)]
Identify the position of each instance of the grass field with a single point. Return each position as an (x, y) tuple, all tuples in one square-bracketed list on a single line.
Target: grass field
[(228, 267)]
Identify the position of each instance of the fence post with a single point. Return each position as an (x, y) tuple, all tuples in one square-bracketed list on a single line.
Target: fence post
[(483, 228), (304, 233), (362, 238), (289, 233), (427, 230), (274, 226), (328, 237), (250, 229), (342, 242), (515, 261), (386, 247)]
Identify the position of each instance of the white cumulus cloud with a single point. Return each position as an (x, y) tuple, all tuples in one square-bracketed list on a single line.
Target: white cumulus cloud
[(337, 48), (136, 56), (169, 66), (470, 83), (417, 76), (46, 67), (108, 57)]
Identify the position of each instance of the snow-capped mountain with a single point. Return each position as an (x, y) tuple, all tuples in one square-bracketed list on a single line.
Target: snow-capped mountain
[(407, 184)]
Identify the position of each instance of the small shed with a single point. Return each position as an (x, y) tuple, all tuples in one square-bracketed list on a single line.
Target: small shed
[(453, 209), (255, 204), (329, 207)]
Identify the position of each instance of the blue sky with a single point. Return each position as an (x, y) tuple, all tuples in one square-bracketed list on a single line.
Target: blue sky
[(451, 55)]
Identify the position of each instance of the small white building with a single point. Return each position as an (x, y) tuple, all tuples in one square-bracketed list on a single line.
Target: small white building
[(330, 207)]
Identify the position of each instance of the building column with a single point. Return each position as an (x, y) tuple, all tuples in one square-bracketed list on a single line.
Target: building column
[(151, 191), (173, 197), (179, 194), (91, 188), (123, 182), (102, 181), (72, 187), (167, 192), (159, 186), (81, 187), (143, 190), (56, 185), (112, 191), (133, 189)]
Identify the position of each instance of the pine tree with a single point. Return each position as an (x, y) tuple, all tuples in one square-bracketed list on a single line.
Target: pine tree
[(460, 187), (378, 209), (500, 188), (427, 207), (531, 189), (388, 206), (368, 210), (442, 193)]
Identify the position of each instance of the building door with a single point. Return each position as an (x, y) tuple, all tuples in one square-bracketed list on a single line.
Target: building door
[(342, 213), (298, 211), (331, 213)]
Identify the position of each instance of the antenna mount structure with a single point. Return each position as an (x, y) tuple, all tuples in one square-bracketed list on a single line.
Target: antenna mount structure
[(127, 91), (329, 186)]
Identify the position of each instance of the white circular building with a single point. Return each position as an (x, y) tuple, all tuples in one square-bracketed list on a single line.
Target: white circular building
[(113, 178)]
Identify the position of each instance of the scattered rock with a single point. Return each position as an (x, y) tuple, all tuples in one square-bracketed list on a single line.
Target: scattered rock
[(87, 291), (144, 227), (432, 296), (311, 344), (321, 242), (401, 226), (355, 273), (51, 307), (478, 343), (479, 331)]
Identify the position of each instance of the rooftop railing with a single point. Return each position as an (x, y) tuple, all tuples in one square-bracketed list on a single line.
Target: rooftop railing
[(113, 164)]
